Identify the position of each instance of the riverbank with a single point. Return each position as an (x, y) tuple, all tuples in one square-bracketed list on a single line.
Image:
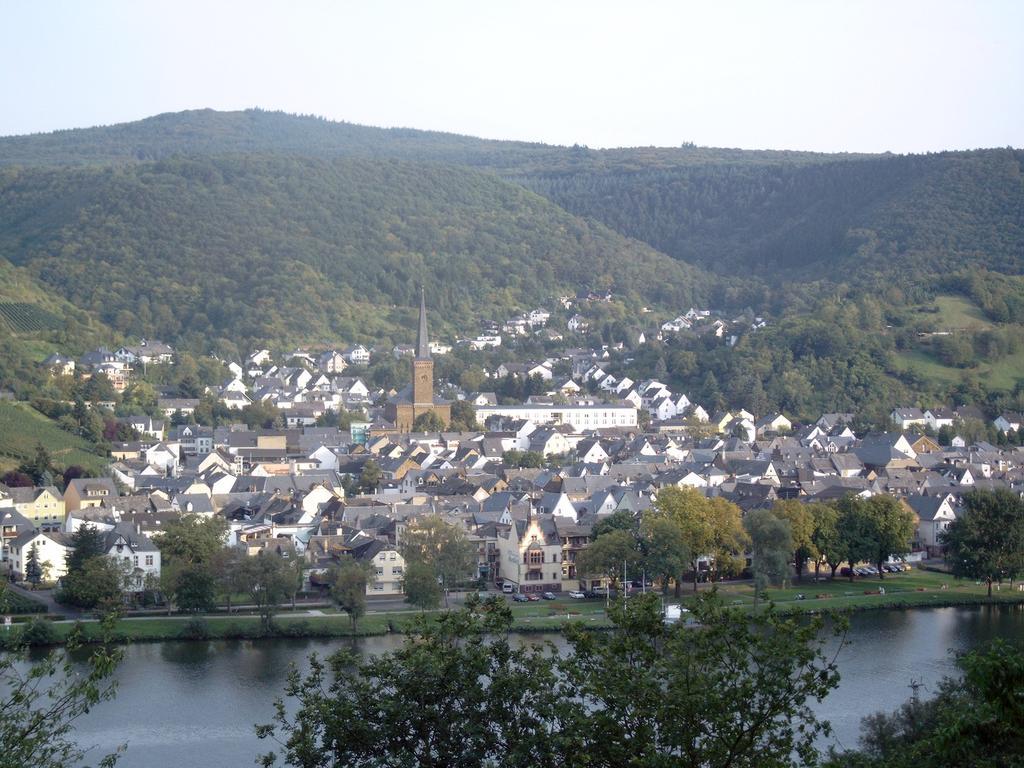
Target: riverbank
[(914, 589)]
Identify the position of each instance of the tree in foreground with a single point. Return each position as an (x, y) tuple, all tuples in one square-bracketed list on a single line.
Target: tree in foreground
[(98, 583), (974, 721), (891, 529), (737, 691), (443, 548), (189, 549), (801, 519), (348, 588), (421, 586), (710, 528), (270, 580), (771, 544), (608, 555), (987, 540), (41, 702), (33, 568)]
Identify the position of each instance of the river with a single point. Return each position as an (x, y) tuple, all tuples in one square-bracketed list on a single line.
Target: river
[(195, 704)]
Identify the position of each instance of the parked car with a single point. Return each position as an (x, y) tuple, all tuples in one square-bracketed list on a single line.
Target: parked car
[(591, 594), (508, 588), (533, 597), (549, 596), (577, 595), (519, 597)]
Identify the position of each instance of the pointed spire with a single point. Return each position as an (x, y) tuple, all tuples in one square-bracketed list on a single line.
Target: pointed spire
[(422, 337)]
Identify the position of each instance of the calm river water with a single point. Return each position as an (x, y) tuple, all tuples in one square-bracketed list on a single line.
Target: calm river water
[(195, 704)]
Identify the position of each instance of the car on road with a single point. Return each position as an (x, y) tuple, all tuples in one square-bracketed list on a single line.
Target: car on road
[(519, 597), (577, 595), (549, 596)]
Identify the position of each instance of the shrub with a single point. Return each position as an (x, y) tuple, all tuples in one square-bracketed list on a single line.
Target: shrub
[(196, 628), (39, 631)]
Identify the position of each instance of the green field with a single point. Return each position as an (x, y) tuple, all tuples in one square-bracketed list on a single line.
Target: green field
[(22, 428), (959, 312), (928, 367)]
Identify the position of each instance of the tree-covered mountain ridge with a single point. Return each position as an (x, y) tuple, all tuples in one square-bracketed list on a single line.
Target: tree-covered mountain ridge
[(874, 221), (211, 132), (269, 248)]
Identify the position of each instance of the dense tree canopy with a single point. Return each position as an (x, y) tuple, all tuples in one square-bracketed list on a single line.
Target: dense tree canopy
[(740, 691)]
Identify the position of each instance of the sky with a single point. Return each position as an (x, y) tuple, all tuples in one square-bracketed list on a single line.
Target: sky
[(851, 75)]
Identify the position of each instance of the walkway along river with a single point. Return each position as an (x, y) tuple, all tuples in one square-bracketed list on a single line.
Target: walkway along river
[(195, 703)]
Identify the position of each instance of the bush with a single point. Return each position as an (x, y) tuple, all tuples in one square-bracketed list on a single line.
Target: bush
[(197, 628), (242, 632), (293, 629), (39, 631)]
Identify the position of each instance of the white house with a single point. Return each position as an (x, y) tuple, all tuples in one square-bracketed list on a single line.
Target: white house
[(579, 417), (51, 549), (139, 555), (1008, 421), (904, 418), (934, 515), (937, 418), (357, 355)]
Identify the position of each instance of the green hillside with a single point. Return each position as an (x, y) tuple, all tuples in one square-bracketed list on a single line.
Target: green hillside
[(22, 428), (885, 278), (869, 222), (278, 248), (254, 131)]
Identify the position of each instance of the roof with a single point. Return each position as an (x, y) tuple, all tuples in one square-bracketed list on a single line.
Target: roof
[(422, 336)]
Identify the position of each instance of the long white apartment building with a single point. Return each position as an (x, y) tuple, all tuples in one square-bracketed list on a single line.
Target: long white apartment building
[(579, 417)]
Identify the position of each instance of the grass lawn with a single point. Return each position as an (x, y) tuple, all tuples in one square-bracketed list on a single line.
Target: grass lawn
[(909, 589), (912, 588)]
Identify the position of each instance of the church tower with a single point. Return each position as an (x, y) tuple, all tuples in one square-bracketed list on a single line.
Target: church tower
[(412, 402), (422, 365)]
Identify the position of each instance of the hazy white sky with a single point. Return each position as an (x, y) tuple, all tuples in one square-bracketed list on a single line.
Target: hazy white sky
[(899, 75)]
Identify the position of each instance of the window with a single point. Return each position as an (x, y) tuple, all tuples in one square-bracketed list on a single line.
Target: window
[(378, 587), (393, 556), (379, 571), (135, 561), (536, 557), (396, 570), (149, 559)]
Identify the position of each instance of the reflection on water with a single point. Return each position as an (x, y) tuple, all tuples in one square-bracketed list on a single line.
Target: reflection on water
[(196, 703)]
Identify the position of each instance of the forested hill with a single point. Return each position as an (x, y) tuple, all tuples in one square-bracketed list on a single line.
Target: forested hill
[(273, 248), (209, 132), (785, 217), (870, 222)]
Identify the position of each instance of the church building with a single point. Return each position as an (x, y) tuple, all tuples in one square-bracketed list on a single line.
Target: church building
[(418, 398)]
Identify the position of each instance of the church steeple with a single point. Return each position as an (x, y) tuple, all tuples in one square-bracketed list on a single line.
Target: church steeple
[(422, 337)]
